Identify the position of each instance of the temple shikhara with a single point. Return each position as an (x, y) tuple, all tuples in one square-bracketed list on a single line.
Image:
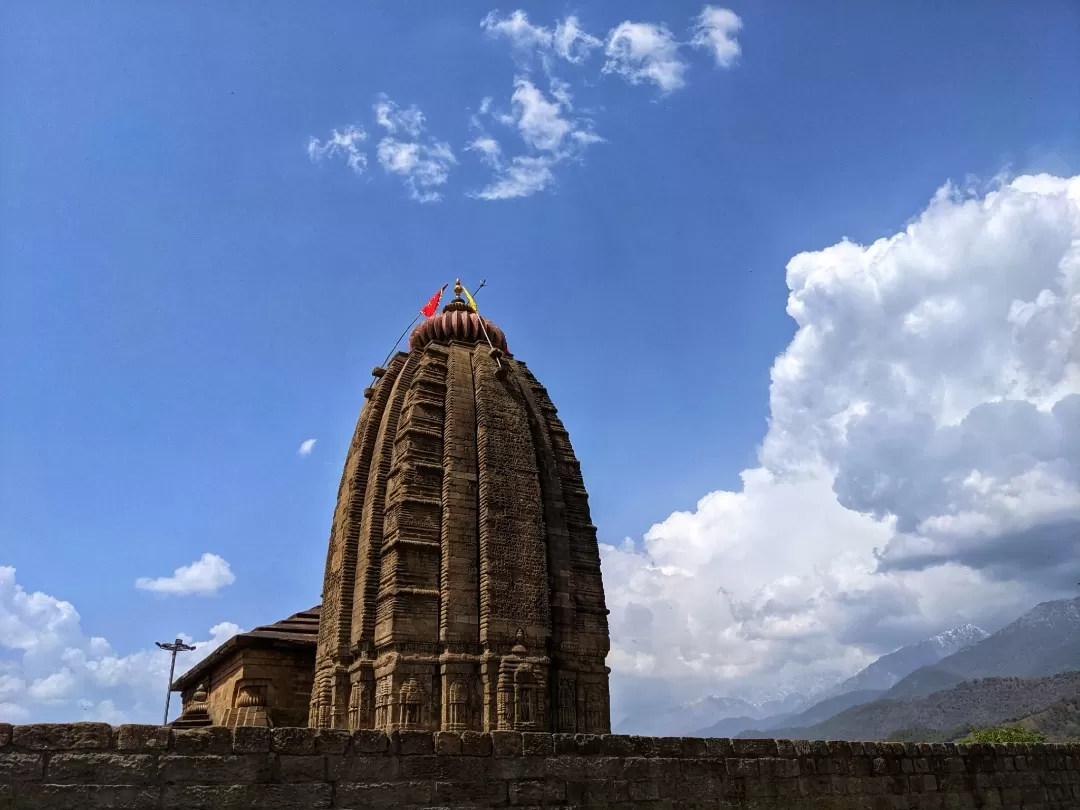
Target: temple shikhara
[(462, 588)]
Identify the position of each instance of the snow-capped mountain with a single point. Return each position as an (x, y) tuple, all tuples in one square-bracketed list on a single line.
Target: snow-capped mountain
[(890, 669), (717, 715), (688, 717)]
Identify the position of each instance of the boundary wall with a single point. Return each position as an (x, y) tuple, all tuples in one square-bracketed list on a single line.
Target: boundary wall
[(94, 765)]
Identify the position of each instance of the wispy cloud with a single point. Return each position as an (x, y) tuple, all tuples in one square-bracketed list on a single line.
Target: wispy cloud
[(345, 144), (207, 575), (424, 167), (645, 52), (640, 53), (306, 447), (547, 131), (715, 30), (567, 41)]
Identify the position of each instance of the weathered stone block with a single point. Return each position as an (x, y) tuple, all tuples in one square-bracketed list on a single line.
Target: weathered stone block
[(693, 746), (482, 794), (412, 743), (563, 743), (300, 768), (251, 740), (566, 767), (500, 768), (370, 742), (720, 747), (63, 736), (506, 743), (754, 748), (245, 797), (635, 769), (665, 746), (196, 741), (21, 767), (216, 769), (86, 797), (101, 769), (447, 743), (536, 792), (383, 796), (703, 766), (143, 739), (536, 744), (617, 745), (739, 766), (358, 768), (294, 741), (5, 734)]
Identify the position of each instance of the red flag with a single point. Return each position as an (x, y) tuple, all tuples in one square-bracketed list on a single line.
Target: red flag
[(431, 306)]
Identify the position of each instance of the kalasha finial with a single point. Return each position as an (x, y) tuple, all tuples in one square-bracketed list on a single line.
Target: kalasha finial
[(458, 289)]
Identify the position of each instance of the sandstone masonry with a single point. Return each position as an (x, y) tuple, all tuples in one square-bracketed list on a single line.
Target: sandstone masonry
[(93, 765)]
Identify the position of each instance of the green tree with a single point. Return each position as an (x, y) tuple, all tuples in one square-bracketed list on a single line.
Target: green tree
[(1004, 734)]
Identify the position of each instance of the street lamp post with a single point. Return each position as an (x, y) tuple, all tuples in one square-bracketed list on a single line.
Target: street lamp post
[(174, 648)]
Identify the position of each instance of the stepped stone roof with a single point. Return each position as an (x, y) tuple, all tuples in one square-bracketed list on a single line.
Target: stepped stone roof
[(301, 629)]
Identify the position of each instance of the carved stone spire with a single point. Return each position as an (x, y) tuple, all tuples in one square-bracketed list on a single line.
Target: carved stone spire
[(463, 572)]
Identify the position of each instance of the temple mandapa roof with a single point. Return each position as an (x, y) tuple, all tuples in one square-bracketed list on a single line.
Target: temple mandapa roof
[(299, 630)]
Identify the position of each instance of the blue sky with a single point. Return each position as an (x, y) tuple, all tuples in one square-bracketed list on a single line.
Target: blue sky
[(188, 291)]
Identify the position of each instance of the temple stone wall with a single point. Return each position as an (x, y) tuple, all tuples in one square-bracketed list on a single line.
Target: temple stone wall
[(92, 765), (278, 679)]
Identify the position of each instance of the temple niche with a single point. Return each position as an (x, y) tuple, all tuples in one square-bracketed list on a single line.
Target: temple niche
[(462, 587)]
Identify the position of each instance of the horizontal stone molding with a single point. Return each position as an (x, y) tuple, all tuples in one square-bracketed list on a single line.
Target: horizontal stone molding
[(92, 765)]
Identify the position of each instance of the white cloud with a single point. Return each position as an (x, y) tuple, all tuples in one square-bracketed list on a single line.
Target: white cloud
[(393, 119), (715, 30), (207, 575), (548, 131), (59, 674), (921, 467), (572, 43), (569, 41), (424, 167), (645, 52), (306, 447), (345, 144)]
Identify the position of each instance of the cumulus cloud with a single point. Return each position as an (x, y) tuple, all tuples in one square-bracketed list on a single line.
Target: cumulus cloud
[(306, 447), (423, 166), (51, 671), (715, 31), (344, 144), (207, 575), (921, 467), (645, 52)]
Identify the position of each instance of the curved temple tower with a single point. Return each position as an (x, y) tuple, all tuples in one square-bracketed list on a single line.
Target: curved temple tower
[(462, 587)]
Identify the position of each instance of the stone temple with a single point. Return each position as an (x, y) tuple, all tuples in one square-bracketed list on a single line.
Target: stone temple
[(462, 588)]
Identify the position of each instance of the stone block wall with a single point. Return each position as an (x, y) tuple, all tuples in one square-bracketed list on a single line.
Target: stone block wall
[(92, 765)]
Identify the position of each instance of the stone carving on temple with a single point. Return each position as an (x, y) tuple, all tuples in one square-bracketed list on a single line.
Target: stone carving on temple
[(462, 588)]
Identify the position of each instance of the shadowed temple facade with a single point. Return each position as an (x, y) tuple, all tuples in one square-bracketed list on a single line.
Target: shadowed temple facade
[(462, 588)]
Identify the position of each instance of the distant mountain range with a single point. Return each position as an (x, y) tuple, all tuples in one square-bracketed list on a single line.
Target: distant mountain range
[(1021, 670), (864, 686), (979, 703), (1044, 641), (888, 670), (683, 720)]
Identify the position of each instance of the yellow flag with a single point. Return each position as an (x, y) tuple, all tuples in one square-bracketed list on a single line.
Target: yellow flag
[(469, 298)]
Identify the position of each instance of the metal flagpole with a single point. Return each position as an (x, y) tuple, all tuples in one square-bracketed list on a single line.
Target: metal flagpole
[(493, 351), (174, 648)]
